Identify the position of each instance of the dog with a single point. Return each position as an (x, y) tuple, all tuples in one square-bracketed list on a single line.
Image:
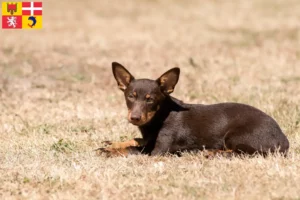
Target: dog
[(168, 125)]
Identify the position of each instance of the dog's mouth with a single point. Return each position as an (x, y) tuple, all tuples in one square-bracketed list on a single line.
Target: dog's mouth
[(139, 123)]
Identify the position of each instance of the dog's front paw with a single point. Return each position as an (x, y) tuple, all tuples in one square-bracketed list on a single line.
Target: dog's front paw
[(111, 152), (123, 145)]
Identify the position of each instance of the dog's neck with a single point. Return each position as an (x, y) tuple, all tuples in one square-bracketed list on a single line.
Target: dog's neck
[(170, 104)]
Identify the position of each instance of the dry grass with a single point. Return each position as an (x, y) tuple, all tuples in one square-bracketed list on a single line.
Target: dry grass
[(59, 99)]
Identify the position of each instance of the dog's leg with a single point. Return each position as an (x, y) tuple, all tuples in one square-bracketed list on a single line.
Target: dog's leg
[(163, 144), (114, 152), (133, 146), (136, 142)]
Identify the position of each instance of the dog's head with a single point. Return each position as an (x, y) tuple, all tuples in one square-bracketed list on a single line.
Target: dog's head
[(144, 96)]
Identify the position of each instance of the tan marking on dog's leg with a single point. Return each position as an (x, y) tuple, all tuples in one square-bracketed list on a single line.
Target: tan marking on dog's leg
[(112, 152), (137, 142)]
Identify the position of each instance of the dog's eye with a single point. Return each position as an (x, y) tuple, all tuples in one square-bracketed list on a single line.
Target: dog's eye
[(130, 96), (149, 100)]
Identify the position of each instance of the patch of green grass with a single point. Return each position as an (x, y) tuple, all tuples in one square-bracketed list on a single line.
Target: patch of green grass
[(290, 79), (45, 128), (63, 146), (83, 129), (26, 180), (79, 77)]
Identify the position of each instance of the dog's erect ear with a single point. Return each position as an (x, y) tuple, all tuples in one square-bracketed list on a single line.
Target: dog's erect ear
[(122, 75), (168, 80)]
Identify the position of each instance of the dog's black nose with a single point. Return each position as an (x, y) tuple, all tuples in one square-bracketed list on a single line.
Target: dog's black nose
[(135, 118)]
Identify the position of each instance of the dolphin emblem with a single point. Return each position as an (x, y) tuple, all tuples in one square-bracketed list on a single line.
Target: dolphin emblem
[(33, 19)]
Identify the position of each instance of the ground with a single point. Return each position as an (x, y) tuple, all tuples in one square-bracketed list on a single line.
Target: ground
[(59, 100)]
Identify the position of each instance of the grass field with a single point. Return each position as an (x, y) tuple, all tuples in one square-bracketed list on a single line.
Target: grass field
[(59, 100)]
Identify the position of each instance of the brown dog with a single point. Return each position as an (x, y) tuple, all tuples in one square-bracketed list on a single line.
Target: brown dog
[(169, 125)]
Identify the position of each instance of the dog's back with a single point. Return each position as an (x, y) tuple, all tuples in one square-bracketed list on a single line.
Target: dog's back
[(234, 126)]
